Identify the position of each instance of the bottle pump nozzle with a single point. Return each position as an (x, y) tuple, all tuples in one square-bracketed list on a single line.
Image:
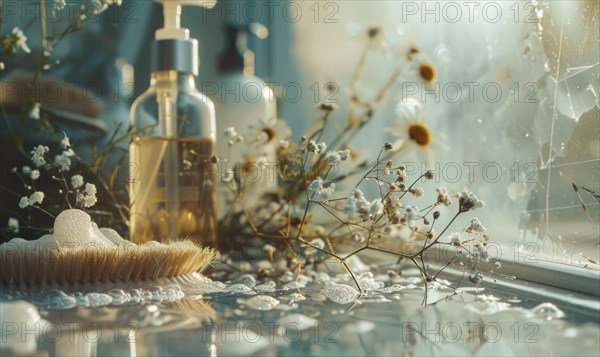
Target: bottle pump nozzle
[(172, 13), (173, 48)]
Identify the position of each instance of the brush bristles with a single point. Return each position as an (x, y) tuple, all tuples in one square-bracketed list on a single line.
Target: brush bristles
[(84, 266)]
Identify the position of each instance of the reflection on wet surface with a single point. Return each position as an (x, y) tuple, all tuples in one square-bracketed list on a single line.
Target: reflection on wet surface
[(316, 315)]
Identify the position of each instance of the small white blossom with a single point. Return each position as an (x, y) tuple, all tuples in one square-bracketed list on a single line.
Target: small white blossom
[(468, 201), (37, 155), (417, 192), (89, 201), (376, 207), (59, 4), (65, 143), (21, 40), (13, 224), (62, 161), (187, 165), (475, 227), (443, 197), (34, 113), (412, 213), (322, 147), (332, 157), (230, 132), (77, 181), (455, 239), (312, 146), (26, 170), (36, 197), (317, 190), (35, 174), (24, 202), (344, 154), (1, 66), (90, 189), (356, 203)]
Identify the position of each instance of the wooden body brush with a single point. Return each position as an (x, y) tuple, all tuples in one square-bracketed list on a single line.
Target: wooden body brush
[(79, 255)]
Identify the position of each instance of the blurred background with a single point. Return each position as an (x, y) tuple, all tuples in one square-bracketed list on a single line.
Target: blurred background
[(515, 103)]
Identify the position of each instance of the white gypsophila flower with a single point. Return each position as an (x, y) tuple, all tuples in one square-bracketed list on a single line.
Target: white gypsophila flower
[(417, 192), (312, 146), (13, 224), (36, 197), (26, 170), (356, 203), (344, 154), (230, 132), (443, 197), (322, 147), (376, 207), (77, 181), (20, 40), (455, 239), (332, 157), (318, 191), (467, 201), (62, 161), (59, 4), (1, 66), (475, 227), (90, 189), (35, 174), (37, 155), (65, 143), (24, 202), (34, 113), (89, 201), (79, 198), (412, 213)]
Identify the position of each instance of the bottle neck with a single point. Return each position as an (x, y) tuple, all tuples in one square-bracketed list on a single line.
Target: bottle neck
[(185, 81)]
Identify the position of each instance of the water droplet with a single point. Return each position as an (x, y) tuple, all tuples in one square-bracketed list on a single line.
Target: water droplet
[(98, 299), (239, 289), (548, 311), (118, 296), (247, 279), (260, 302), (264, 288), (340, 293)]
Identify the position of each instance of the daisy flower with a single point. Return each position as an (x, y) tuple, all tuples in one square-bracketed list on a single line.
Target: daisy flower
[(412, 134), (269, 132), (372, 36)]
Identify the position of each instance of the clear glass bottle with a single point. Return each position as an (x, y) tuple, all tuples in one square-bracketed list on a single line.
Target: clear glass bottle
[(172, 186)]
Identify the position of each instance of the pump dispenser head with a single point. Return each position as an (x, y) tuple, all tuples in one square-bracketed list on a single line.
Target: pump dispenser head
[(173, 48)]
